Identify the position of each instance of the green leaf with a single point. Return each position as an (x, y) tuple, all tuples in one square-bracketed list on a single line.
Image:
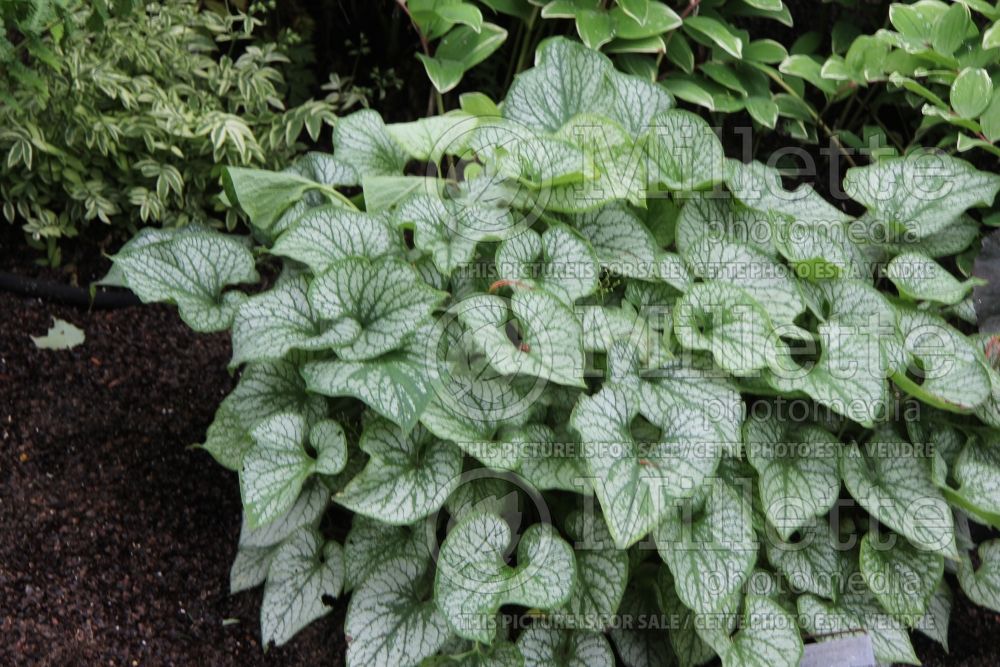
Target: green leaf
[(258, 545), (715, 32), (397, 385), (473, 580), (708, 543), (951, 28), (191, 270), (371, 545), (815, 562), (901, 576), (633, 481), (920, 278), (769, 637), (642, 644), (848, 376), (548, 647), (265, 195), (264, 390), (977, 472), (982, 584), (303, 571), (858, 611), (549, 337), (459, 51), (945, 368), (385, 298), (362, 141), (742, 266), (392, 618), (649, 20), (724, 320), (892, 483), (798, 468), (971, 92), (935, 623), (267, 326), (690, 649), (569, 79), (275, 469), (558, 261), (408, 475), (327, 234), (922, 193), (602, 572), (449, 230), (684, 151)]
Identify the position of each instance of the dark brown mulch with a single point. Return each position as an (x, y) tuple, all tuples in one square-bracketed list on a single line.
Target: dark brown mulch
[(115, 539)]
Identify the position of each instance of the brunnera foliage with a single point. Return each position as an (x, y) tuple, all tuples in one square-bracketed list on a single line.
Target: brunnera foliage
[(549, 375)]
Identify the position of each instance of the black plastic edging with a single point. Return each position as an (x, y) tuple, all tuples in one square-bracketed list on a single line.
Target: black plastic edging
[(70, 295)]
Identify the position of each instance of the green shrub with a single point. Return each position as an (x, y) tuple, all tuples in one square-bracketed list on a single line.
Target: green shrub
[(135, 119), (552, 377), (941, 58)]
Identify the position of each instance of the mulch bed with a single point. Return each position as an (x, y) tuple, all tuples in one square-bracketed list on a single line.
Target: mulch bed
[(115, 538)]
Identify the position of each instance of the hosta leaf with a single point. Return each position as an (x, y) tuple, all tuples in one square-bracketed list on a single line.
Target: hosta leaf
[(798, 468), (408, 475), (858, 612), (303, 571), (848, 377), (769, 637), (473, 580), (362, 141), (397, 385), (191, 270), (901, 576), (386, 299), (722, 319), (392, 618), (945, 367), (264, 390), (684, 152), (815, 562), (549, 337), (920, 194), (558, 261), (894, 485), (921, 278), (371, 544), (268, 325), (982, 583), (548, 647), (327, 234), (711, 551), (276, 467), (602, 571)]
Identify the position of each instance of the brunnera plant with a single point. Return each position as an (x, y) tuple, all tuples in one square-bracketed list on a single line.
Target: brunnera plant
[(549, 379)]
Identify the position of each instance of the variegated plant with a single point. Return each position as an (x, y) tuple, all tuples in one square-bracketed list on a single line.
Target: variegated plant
[(544, 353)]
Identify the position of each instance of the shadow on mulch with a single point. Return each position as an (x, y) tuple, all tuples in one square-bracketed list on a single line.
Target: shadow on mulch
[(115, 539)]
